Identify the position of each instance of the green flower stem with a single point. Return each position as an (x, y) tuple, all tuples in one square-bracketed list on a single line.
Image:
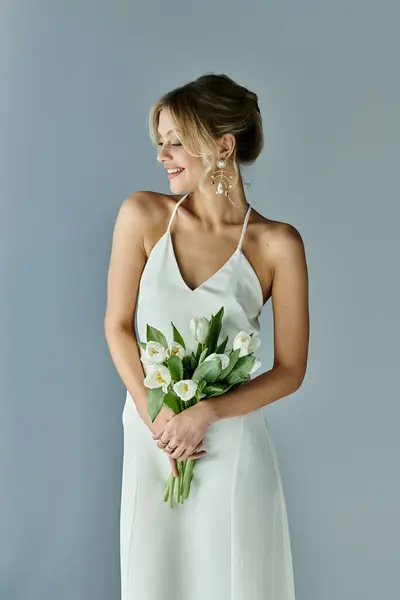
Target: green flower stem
[(179, 485), (184, 463), (171, 498), (167, 489), (180, 469), (184, 468), (180, 477), (188, 477), (187, 488)]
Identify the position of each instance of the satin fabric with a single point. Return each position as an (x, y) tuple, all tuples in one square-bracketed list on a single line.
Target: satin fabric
[(230, 540)]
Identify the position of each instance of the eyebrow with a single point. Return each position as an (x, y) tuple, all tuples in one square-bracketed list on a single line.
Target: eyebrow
[(170, 131)]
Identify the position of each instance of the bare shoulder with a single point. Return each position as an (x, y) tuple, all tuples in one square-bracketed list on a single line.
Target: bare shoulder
[(146, 213), (139, 217), (147, 206), (277, 239), (285, 249), (285, 242)]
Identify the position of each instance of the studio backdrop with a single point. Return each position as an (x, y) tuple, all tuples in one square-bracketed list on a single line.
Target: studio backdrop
[(77, 82)]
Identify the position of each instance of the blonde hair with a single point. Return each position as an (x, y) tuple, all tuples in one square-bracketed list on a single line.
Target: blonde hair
[(207, 108)]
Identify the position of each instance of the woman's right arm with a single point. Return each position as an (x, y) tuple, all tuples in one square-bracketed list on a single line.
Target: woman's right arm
[(127, 260)]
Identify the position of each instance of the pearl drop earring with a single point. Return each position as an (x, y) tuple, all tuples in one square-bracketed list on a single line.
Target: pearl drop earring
[(224, 180)]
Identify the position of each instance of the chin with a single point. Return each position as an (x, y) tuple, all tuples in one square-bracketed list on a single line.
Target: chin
[(178, 186)]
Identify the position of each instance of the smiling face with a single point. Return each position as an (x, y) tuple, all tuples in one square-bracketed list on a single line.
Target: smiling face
[(173, 155)]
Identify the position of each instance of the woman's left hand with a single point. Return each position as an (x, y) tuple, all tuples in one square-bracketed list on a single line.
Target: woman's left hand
[(183, 433)]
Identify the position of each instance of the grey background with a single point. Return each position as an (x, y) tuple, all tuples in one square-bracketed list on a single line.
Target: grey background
[(77, 81)]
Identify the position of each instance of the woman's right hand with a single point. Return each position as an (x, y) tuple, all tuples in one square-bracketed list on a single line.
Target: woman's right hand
[(165, 415)]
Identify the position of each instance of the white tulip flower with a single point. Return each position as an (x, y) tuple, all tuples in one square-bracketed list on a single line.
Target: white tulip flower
[(175, 349), (159, 376), (242, 342), (199, 328), (185, 389), (257, 365), (223, 357), (148, 367), (255, 341), (154, 353)]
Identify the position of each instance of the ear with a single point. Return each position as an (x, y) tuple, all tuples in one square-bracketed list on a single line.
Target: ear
[(226, 145)]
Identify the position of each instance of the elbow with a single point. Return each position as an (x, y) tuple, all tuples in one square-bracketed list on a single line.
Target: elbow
[(296, 378), (293, 376), (110, 329)]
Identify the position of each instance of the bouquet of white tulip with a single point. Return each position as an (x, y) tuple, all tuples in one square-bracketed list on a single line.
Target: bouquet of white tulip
[(179, 379)]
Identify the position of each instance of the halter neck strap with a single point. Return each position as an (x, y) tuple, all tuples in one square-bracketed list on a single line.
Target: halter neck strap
[(175, 209), (246, 219)]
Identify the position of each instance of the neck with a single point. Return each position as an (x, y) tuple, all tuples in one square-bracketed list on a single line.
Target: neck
[(215, 210)]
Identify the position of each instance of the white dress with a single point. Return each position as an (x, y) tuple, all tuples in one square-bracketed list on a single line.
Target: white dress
[(230, 539)]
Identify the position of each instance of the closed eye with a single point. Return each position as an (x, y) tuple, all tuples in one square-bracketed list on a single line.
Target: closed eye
[(160, 144)]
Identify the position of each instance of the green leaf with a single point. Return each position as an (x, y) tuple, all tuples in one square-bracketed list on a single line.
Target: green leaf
[(203, 355), (198, 353), (177, 336), (175, 366), (186, 361), (242, 368), (214, 389), (189, 364), (143, 344), (214, 330), (222, 346), (233, 359), (154, 335), (155, 398), (199, 391), (208, 370), (201, 385), (172, 401)]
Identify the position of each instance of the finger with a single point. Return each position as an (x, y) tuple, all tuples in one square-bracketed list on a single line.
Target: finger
[(158, 433), (170, 447), (192, 452), (159, 430), (197, 455), (187, 451), (178, 452), (166, 447), (197, 448), (174, 467), (161, 445)]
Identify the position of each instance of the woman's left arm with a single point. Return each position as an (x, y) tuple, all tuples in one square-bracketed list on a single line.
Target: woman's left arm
[(289, 292)]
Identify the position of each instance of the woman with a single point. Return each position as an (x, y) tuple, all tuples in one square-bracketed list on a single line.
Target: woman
[(185, 255)]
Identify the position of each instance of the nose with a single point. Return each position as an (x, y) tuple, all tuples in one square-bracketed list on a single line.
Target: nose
[(163, 154)]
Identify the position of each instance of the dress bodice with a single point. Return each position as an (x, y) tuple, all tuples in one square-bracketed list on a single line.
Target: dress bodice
[(164, 296)]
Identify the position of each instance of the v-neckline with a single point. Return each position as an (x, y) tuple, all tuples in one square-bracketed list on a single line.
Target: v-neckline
[(203, 283), (235, 253)]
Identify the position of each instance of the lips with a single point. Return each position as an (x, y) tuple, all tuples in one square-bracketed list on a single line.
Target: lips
[(175, 174)]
